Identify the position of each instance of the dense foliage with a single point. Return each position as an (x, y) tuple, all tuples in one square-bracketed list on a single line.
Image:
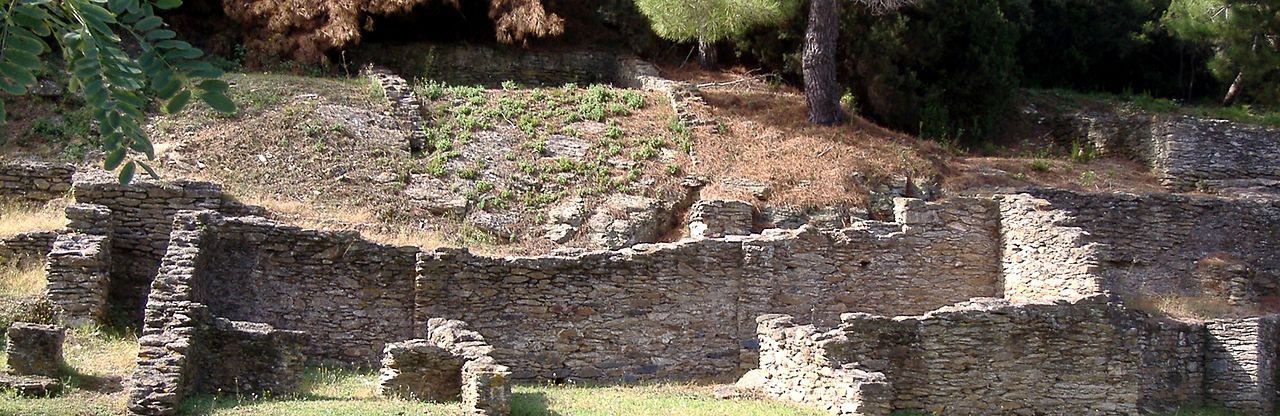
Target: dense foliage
[(944, 69), (116, 84), (712, 20), (1245, 35), (307, 30)]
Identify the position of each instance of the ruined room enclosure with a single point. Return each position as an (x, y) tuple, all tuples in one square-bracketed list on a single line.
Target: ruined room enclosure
[(690, 309), (1052, 297)]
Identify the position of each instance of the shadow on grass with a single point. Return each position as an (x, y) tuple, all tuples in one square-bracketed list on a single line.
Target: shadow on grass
[(531, 404)]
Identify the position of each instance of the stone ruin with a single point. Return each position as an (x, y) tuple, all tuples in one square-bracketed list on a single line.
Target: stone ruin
[(34, 359), (453, 362), (1052, 329)]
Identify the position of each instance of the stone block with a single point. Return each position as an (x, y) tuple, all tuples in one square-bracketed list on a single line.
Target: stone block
[(35, 349)]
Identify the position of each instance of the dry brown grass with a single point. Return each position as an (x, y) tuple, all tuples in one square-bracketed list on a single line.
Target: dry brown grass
[(766, 137), (1099, 175), (17, 218), (1193, 308), (21, 279)]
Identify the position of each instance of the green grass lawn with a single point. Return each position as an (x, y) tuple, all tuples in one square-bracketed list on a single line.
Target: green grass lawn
[(341, 392)]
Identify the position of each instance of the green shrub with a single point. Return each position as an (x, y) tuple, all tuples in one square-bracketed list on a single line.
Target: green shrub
[(942, 69)]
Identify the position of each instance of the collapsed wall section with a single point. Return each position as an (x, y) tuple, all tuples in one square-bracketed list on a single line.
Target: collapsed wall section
[(984, 357), (351, 294)]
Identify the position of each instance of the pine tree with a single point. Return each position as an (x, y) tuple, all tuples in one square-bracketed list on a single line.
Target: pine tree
[(710, 21), (115, 84), (1246, 36), (818, 62)]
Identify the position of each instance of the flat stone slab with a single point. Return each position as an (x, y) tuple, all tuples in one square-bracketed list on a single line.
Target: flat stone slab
[(30, 386)]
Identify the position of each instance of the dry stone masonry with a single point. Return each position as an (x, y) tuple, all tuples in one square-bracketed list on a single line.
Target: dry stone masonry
[(78, 280), (35, 359), (452, 362), (35, 349), (1185, 152), (405, 106), (26, 247), (236, 302), (34, 182), (185, 349)]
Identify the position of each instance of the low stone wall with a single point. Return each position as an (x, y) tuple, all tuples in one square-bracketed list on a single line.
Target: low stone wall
[(405, 106), (983, 357), (1146, 244), (351, 295), (679, 310), (1240, 364), (34, 182), (27, 247), (245, 357), (77, 275), (1185, 152)]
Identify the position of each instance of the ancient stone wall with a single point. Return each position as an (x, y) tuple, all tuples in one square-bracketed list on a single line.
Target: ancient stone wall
[(1240, 364), (1043, 258), (77, 275), (34, 182), (795, 366), (141, 215), (597, 315), (169, 348), (352, 295), (24, 247), (1154, 244), (989, 357), (185, 349), (1189, 152), (453, 362), (1185, 152)]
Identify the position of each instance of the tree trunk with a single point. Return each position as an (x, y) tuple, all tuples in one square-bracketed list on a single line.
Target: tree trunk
[(821, 88), (1234, 91), (707, 57)]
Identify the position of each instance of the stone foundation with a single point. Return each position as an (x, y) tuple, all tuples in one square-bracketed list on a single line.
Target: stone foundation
[(452, 363), (34, 349), (250, 358), (26, 247)]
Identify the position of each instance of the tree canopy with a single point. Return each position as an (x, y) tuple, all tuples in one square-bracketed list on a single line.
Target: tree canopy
[(116, 84), (712, 20)]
